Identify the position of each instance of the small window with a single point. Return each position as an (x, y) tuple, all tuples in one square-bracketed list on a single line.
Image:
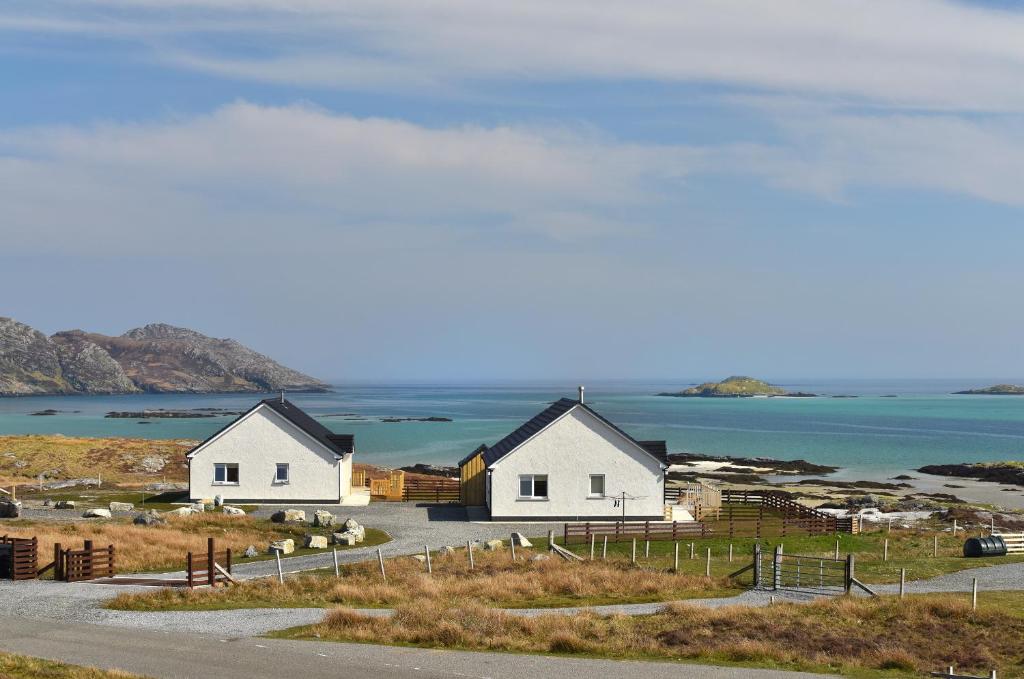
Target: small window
[(282, 473), (225, 473), (533, 486), (597, 485)]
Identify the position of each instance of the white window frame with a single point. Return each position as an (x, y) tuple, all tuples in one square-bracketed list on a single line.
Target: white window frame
[(533, 481), (590, 486), (287, 473), (226, 466)]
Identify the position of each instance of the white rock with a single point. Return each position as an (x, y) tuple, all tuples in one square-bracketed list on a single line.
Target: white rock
[(283, 546), (199, 507), (493, 545), (64, 504), (447, 550), (180, 511), (218, 500), (420, 557), (250, 552), (121, 507), (351, 524), (96, 513), (233, 511), (520, 541), (346, 538), (323, 519), (288, 516), (316, 542)]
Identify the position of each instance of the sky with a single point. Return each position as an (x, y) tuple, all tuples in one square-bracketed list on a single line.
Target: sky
[(472, 190)]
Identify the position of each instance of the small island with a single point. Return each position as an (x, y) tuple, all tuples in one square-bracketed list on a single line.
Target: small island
[(996, 390), (735, 387)]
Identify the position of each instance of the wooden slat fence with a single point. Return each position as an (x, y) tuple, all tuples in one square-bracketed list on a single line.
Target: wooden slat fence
[(431, 490), (617, 531), (201, 569), (88, 563), (1014, 541), (19, 558)]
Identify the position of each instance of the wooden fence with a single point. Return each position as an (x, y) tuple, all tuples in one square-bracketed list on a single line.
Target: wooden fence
[(202, 569), (1014, 541), (19, 558), (431, 490), (88, 563), (617, 531)]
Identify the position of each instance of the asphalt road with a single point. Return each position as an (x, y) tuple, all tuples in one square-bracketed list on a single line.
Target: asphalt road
[(174, 655)]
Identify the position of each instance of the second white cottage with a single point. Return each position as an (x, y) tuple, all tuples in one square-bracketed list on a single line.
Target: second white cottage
[(567, 463)]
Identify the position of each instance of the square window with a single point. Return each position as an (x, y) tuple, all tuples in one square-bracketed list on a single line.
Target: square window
[(533, 486), (525, 486), (225, 473), (597, 485), (282, 473), (540, 486)]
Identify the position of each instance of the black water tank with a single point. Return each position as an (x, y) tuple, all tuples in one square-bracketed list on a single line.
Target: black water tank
[(991, 546)]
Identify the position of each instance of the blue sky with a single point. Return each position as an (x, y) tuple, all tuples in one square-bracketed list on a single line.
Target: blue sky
[(472, 190)]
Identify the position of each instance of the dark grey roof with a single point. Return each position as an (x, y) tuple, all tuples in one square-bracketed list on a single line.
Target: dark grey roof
[(546, 417), (339, 444), (479, 449)]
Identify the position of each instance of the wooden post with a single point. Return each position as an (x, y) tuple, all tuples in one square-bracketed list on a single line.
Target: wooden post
[(675, 559), (188, 570), (691, 550), (604, 549), (935, 545), (903, 581), (337, 572), (58, 562), (885, 549), (849, 573), (730, 552), (88, 560), (776, 567), (632, 557), (647, 549), (211, 574), (757, 564), (798, 572), (974, 595), (512, 544), (889, 527), (229, 560), (954, 527), (707, 568), (426, 553), (837, 550), (593, 540), (551, 539), (380, 560), (280, 573), (469, 553)]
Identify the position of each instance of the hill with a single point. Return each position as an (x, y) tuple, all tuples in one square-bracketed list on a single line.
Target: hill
[(731, 387), (156, 358), (997, 390)]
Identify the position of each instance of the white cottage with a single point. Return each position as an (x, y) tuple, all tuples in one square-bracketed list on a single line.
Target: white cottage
[(567, 463), (274, 452)]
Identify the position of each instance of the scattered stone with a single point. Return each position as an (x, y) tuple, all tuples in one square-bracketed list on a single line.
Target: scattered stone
[(251, 552), (493, 545), (288, 516), (149, 518), (64, 504), (539, 557), (420, 557), (10, 509), (447, 550), (316, 542), (180, 511), (122, 507), (347, 539), (282, 546), (233, 511), (323, 519), (519, 540), (96, 513), (218, 500), (47, 502), (199, 507)]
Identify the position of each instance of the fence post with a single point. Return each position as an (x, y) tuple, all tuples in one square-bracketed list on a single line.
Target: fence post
[(935, 546), (426, 553), (87, 563), (593, 540), (885, 549), (280, 573), (110, 561), (604, 549), (675, 561), (512, 544), (730, 552), (211, 572), (647, 549), (337, 572), (974, 595), (469, 554), (188, 570), (757, 565), (228, 565), (776, 563), (903, 581), (691, 550), (837, 549), (849, 572), (380, 560), (632, 558), (58, 562), (551, 539), (707, 568)]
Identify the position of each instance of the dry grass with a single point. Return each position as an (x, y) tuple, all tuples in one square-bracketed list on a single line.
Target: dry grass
[(881, 635), (23, 667), (24, 458), (142, 548), (496, 581)]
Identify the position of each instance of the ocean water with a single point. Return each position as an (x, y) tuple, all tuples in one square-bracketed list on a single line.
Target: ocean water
[(870, 436)]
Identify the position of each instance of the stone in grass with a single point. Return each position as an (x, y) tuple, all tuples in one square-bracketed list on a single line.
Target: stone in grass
[(323, 519), (346, 539), (149, 518), (539, 557), (218, 500), (519, 540), (494, 545), (251, 552), (316, 541), (288, 516), (198, 507), (121, 507), (180, 511), (233, 511), (96, 513), (64, 504), (282, 546), (420, 557), (447, 550), (351, 524)]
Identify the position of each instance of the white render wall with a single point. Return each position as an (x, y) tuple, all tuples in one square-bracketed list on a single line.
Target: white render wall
[(569, 451), (257, 443)]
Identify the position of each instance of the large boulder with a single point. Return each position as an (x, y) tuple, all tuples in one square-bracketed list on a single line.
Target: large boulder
[(316, 542), (345, 539), (149, 518), (323, 519), (96, 513), (447, 550), (519, 540), (251, 552), (121, 507), (493, 545), (233, 511), (218, 500), (198, 507), (282, 546), (288, 516), (180, 511), (64, 504), (10, 509), (351, 524)]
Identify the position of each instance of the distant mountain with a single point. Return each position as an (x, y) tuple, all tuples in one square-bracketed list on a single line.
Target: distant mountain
[(997, 390), (156, 358), (732, 387)]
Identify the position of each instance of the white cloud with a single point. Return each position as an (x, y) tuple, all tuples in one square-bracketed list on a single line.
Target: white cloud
[(919, 53)]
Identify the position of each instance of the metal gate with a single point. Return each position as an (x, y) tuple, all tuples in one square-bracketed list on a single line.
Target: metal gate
[(814, 575)]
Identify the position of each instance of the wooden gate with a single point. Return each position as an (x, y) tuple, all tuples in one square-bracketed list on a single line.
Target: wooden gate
[(19, 558), (88, 563), (210, 568)]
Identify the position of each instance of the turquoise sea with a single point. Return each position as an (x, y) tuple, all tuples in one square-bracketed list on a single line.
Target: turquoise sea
[(870, 436)]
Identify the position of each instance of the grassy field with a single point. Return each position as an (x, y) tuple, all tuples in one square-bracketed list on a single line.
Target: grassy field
[(910, 549), (119, 460), (161, 548), (23, 667), (495, 581), (855, 636)]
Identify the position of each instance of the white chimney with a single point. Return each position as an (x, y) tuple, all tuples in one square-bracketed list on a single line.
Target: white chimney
[(581, 393)]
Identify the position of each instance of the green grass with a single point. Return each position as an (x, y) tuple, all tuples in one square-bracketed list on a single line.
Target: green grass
[(24, 667), (86, 498), (374, 537)]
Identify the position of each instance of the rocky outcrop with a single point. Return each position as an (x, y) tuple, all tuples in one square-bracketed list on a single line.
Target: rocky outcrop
[(153, 358), (996, 390), (733, 387)]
